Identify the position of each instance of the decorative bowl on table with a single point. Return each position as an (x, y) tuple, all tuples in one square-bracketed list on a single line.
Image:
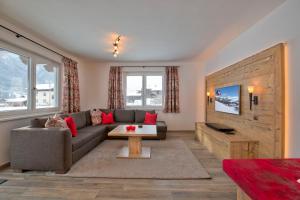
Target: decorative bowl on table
[(130, 128)]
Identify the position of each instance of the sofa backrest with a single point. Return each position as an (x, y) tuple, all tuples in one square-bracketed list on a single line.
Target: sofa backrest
[(79, 119), (83, 119), (88, 118), (107, 110), (124, 116), (38, 122), (140, 115)]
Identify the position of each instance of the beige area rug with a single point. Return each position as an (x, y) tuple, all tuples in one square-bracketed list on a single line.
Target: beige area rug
[(170, 159)]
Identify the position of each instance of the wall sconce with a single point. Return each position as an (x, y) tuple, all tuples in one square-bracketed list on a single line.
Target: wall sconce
[(207, 94), (209, 100), (252, 99)]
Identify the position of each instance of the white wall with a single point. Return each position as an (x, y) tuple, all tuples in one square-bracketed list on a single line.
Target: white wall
[(6, 126), (98, 87), (282, 25)]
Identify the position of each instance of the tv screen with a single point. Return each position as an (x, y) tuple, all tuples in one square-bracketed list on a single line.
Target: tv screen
[(227, 99)]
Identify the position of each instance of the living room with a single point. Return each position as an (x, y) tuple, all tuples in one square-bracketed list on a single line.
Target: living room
[(127, 100)]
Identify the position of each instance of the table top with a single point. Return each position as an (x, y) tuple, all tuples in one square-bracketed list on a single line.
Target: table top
[(146, 130), (271, 179)]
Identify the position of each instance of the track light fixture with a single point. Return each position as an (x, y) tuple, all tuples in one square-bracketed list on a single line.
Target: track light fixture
[(116, 46)]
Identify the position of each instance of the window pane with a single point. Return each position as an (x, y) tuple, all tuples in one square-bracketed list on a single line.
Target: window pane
[(134, 88), (46, 90), (154, 89), (13, 81)]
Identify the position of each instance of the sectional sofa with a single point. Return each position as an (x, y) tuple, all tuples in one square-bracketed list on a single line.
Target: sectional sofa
[(54, 149)]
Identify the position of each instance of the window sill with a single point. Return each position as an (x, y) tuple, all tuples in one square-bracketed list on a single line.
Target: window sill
[(144, 108), (25, 116)]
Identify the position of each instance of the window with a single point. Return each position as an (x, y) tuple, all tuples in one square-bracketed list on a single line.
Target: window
[(14, 75), (28, 82), (154, 90), (144, 89), (134, 90), (46, 79)]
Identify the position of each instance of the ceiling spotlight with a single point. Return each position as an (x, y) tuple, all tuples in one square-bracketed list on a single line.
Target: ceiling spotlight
[(116, 46), (118, 39)]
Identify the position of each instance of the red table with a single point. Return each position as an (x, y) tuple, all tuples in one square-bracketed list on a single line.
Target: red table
[(266, 179)]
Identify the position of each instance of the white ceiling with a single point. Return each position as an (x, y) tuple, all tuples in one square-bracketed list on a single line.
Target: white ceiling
[(152, 30)]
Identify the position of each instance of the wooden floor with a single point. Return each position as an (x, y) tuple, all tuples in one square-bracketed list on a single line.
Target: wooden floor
[(34, 186)]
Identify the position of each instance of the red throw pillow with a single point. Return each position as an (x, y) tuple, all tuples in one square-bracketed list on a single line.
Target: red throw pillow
[(150, 118), (107, 118), (72, 126)]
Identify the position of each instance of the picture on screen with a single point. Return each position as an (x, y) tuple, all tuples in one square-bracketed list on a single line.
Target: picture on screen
[(227, 99)]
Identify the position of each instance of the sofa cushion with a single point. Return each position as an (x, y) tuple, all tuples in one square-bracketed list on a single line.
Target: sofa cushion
[(38, 122), (140, 115), (88, 118), (83, 150), (150, 118), (79, 119), (86, 134), (124, 116), (96, 116), (56, 122), (107, 118), (71, 125)]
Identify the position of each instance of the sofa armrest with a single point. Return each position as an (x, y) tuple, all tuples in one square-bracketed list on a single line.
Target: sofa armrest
[(161, 129), (41, 149)]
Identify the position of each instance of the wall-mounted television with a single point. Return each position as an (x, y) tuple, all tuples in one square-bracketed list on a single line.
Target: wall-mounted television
[(227, 99)]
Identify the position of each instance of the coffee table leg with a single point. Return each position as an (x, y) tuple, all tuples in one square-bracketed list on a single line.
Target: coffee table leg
[(134, 146), (134, 149)]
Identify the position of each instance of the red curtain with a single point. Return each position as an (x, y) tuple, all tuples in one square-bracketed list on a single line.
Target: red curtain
[(172, 90), (71, 97), (115, 91)]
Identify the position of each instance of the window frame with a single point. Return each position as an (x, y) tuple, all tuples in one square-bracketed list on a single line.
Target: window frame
[(144, 74), (32, 110), (57, 86)]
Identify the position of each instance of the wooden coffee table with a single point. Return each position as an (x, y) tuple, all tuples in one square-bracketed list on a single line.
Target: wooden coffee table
[(134, 148)]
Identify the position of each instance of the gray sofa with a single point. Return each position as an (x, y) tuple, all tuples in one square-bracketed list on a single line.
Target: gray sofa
[(54, 149)]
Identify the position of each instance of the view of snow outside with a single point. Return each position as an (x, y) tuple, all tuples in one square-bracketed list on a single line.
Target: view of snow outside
[(14, 81), (153, 90), (134, 90), (227, 99), (45, 86)]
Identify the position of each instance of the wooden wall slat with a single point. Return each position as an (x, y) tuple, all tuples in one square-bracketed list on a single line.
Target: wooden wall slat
[(265, 71)]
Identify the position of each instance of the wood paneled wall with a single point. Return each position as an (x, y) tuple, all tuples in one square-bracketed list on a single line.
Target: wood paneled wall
[(265, 122)]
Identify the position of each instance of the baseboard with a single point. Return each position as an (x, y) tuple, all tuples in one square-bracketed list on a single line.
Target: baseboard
[(4, 165)]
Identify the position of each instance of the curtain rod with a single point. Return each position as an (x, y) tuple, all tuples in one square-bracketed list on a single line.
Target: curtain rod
[(18, 35)]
